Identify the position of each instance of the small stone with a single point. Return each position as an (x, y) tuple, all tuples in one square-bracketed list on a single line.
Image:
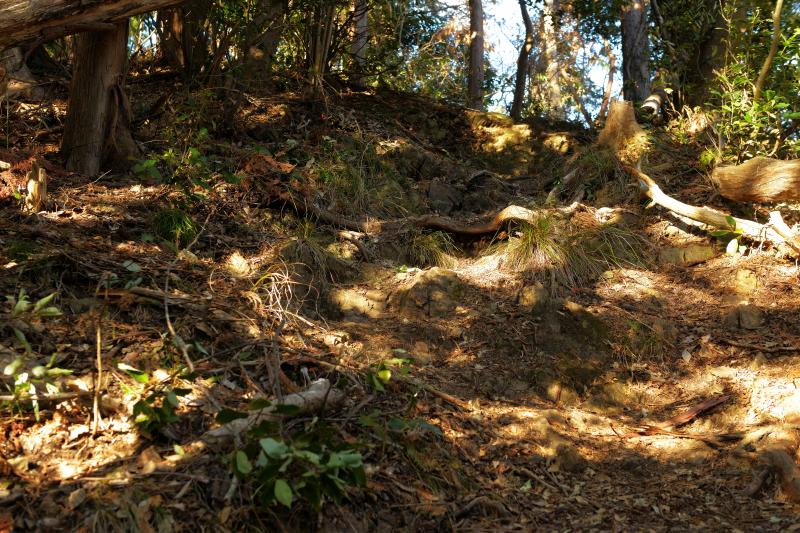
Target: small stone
[(746, 282), (75, 498), (744, 316)]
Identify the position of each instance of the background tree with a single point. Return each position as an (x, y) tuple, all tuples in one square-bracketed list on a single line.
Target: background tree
[(635, 50), (476, 49), (523, 60)]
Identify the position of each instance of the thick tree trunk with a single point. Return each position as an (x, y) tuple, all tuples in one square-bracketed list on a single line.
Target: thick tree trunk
[(96, 132), (635, 51), (475, 82), (27, 21), (760, 180), (522, 63), (358, 46)]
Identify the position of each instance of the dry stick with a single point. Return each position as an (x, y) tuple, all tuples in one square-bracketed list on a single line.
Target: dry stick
[(98, 383), (750, 229)]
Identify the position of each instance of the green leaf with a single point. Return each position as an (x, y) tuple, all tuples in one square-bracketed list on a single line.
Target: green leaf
[(50, 312), (384, 375), (135, 373), (720, 233), (731, 221), (12, 367), (229, 415), (274, 448), (283, 492), (243, 465), (258, 404), (43, 302), (21, 338), (288, 410), (131, 266)]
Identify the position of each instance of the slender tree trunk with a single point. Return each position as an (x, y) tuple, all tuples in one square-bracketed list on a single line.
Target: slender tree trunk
[(522, 63), (547, 91), (773, 48), (609, 82), (96, 132), (635, 50), (475, 82), (358, 46)]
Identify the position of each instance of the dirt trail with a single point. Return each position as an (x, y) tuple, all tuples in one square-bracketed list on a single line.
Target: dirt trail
[(526, 406)]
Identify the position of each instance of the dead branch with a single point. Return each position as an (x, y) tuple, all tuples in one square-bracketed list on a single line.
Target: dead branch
[(749, 229)]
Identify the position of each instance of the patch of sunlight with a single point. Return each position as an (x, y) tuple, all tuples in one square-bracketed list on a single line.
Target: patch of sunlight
[(505, 137)]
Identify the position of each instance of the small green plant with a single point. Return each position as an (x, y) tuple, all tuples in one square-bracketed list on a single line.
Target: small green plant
[(156, 408), (732, 235), (380, 374), (175, 226), (314, 466), (18, 317)]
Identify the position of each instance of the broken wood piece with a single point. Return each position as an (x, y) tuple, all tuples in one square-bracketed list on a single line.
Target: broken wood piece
[(761, 179), (318, 396), (36, 199), (748, 228), (693, 412)]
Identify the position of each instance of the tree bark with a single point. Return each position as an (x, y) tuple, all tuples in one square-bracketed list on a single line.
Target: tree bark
[(170, 37), (475, 81), (96, 132), (635, 51), (760, 179), (358, 46), (262, 43), (24, 21), (522, 63)]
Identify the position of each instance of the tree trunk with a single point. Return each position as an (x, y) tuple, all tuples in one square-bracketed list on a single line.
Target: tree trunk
[(635, 51), (24, 21), (522, 63), (16, 79), (546, 92), (358, 46), (609, 82), (475, 82), (96, 132), (262, 43), (170, 38)]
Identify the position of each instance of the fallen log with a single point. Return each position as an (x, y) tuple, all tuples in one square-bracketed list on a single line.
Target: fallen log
[(760, 179), (23, 21), (775, 231)]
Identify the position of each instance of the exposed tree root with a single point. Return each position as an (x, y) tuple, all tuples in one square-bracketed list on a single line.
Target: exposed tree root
[(776, 231), (760, 179)]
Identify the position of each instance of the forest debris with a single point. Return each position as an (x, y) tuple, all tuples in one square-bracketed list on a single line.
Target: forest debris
[(748, 228), (788, 471), (36, 200), (318, 396), (761, 179), (693, 412)]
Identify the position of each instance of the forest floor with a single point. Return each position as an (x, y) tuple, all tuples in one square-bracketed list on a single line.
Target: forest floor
[(514, 402)]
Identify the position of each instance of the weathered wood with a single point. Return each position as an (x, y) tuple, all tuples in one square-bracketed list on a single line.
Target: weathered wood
[(24, 21), (761, 179), (772, 232)]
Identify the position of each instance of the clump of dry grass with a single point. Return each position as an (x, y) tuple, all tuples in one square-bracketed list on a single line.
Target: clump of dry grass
[(432, 249), (573, 252)]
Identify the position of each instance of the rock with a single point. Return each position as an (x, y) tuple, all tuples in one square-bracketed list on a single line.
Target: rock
[(354, 302), (534, 298), (611, 395), (746, 282), (688, 255), (744, 316), (442, 197), (433, 293), (569, 459)]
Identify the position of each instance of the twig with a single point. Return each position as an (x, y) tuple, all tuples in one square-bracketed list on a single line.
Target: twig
[(767, 349)]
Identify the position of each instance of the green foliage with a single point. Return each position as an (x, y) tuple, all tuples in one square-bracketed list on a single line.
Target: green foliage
[(157, 410), (379, 375), (175, 226), (767, 126), (314, 466), (19, 315)]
